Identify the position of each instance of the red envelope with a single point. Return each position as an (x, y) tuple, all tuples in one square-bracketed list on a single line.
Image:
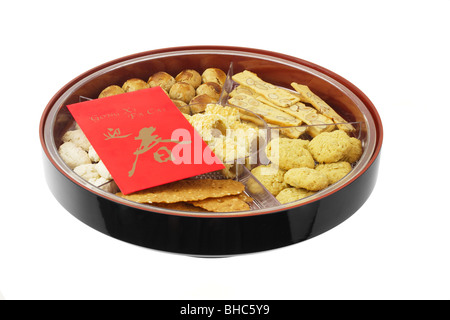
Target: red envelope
[(143, 139)]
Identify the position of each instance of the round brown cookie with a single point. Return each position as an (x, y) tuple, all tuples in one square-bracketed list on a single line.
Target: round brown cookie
[(134, 85), (214, 75), (162, 79), (211, 89), (182, 91), (189, 76), (111, 91)]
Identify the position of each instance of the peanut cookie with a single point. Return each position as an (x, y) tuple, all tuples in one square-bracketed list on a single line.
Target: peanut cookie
[(111, 91), (189, 76), (182, 91), (214, 75), (162, 79), (134, 85), (200, 102), (211, 89)]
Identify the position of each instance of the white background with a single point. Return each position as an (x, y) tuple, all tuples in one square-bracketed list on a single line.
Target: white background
[(395, 247)]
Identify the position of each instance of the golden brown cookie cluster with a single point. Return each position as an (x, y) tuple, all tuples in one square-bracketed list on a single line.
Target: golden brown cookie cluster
[(188, 87), (299, 168), (315, 148)]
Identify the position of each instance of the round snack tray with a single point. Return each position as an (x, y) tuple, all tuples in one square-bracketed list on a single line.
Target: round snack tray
[(266, 222), (261, 197)]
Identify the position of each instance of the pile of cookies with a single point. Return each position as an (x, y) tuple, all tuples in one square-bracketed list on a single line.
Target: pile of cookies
[(299, 168), (201, 195), (189, 90), (315, 149)]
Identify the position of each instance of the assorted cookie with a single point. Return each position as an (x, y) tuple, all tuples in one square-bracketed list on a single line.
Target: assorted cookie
[(316, 147)]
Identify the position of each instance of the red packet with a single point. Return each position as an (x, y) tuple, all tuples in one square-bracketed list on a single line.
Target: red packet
[(143, 139)]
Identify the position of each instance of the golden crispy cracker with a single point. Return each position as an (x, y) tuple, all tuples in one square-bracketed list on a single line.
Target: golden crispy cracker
[(223, 204), (181, 206), (245, 198), (186, 190)]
